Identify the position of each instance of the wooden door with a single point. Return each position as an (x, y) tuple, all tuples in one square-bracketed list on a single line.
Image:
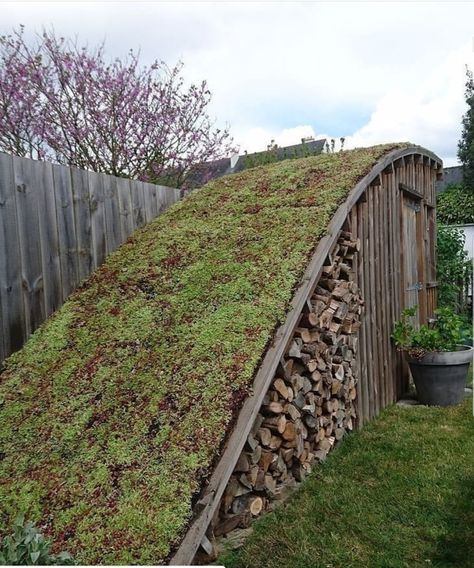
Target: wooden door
[(412, 245)]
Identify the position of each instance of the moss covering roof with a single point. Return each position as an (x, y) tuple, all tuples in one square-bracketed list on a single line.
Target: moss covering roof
[(113, 412)]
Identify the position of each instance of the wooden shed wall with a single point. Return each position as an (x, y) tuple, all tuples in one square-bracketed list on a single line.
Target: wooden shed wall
[(388, 249)]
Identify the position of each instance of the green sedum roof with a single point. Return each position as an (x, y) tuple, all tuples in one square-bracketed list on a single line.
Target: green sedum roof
[(114, 411)]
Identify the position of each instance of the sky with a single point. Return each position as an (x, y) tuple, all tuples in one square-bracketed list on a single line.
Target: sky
[(371, 72)]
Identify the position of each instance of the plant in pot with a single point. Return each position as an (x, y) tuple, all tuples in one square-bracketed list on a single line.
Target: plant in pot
[(438, 361)]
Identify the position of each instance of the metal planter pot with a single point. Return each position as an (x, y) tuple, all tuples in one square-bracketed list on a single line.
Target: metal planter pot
[(440, 376)]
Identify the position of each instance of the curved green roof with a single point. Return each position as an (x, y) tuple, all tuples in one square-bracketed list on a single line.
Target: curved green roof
[(114, 412)]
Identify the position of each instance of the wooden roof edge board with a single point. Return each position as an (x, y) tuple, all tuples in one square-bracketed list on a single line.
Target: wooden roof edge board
[(218, 480)]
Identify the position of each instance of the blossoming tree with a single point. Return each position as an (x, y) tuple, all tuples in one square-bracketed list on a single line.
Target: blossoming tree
[(67, 104)]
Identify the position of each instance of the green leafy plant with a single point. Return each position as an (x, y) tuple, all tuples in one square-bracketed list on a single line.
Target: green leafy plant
[(466, 143), (455, 206), (444, 333), (274, 153), (454, 272), (269, 156), (330, 147), (28, 547)]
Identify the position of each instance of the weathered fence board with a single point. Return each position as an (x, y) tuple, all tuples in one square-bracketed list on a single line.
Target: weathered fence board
[(49, 239), (112, 215), (125, 208), (30, 248), (82, 221), (137, 205), (98, 226), (148, 205), (11, 296), (57, 224), (66, 230)]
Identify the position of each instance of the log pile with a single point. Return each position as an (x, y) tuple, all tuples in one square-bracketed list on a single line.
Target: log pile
[(310, 404)]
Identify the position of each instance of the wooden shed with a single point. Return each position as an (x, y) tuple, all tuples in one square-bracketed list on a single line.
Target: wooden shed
[(219, 354), (389, 217)]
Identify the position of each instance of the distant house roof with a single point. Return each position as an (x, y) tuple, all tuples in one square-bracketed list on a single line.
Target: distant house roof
[(308, 148), (450, 175), (203, 173)]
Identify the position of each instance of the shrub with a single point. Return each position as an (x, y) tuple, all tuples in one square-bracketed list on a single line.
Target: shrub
[(454, 271), (466, 143), (455, 206), (274, 153), (27, 546)]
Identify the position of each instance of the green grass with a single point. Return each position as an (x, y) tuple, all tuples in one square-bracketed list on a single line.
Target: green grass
[(115, 410), (398, 494)]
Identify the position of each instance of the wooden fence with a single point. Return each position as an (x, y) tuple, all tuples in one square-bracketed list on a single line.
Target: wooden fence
[(57, 224)]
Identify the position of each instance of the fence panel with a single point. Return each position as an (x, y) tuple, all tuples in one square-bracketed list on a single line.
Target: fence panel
[(57, 224), (66, 229), (49, 239), (27, 202), (82, 221), (11, 295), (125, 208)]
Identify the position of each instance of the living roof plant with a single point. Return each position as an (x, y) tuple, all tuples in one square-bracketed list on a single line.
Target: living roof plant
[(115, 410)]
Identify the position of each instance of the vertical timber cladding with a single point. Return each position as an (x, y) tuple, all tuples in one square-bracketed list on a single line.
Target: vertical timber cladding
[(396, 268)]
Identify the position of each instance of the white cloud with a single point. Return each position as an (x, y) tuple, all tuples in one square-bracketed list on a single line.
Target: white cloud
[(428, 113), (256, 139), (378, 71)]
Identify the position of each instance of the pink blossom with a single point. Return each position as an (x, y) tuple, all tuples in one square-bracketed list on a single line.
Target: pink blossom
[(67, 104)]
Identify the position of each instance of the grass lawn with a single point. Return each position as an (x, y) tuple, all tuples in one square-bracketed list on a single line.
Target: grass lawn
[(399, 493)]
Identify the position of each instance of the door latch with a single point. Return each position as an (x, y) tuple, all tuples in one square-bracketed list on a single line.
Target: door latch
[(418, 286)]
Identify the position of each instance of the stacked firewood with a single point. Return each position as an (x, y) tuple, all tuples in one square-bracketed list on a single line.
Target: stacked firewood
[(310, 404)]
